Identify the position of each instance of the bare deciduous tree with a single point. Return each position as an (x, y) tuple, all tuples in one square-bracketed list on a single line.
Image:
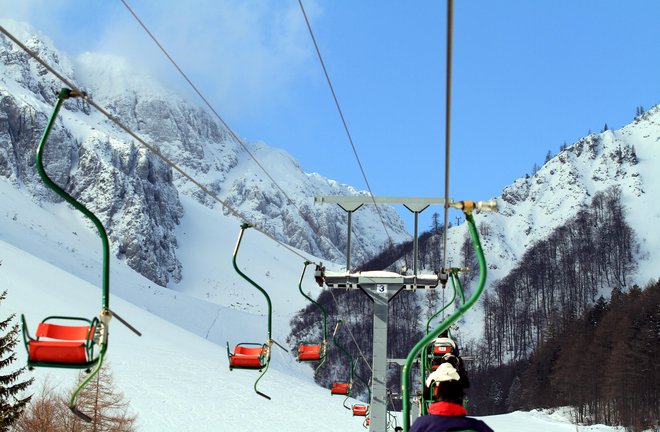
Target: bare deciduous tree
[(99, 399), (43, 412)]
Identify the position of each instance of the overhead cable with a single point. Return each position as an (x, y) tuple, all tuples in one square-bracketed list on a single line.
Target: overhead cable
[(450, 31), (151, 148), (352, 337), (210, 107), (343, 120)]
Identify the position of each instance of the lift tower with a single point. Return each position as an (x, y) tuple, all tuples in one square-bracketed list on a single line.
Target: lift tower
[(381, 287)]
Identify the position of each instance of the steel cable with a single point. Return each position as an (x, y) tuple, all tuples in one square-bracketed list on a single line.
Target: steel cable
[(210, 107), (151, 148), (343, 120), (450, 31), (351, 333)]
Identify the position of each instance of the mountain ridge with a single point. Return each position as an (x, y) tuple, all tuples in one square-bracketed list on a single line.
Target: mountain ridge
[(134, 192)]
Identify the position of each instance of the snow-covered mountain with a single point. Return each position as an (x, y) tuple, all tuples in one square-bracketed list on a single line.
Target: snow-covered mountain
[(165, 229), (533, 206), (133, 192)]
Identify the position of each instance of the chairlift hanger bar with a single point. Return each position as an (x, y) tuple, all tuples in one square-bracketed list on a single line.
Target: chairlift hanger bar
[(352, 203), (97, 332)]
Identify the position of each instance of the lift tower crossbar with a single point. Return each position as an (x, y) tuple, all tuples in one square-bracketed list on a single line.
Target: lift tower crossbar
[(352, 203)]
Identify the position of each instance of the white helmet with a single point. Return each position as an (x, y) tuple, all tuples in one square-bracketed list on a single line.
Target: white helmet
[(444, 341), (444, 372)]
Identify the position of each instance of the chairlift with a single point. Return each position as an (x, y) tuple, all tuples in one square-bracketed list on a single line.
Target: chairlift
[(66, 341), (313, 352), (362, 410), (342, 388), (249, 355)]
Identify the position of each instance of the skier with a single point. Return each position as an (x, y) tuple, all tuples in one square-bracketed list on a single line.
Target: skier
[(444, 344), (447, 412)]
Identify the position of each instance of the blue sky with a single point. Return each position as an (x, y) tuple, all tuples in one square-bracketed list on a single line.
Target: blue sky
[(528, 76)]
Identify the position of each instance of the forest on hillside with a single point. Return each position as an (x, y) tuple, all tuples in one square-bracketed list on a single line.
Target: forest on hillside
[(605, 364), (557, 278)]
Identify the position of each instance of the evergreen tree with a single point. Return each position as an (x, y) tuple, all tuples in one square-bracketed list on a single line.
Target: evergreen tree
[(12, 387), (469, 258), (436, 224), (514, 399), (548, 156), (633, 154), (535, 168)]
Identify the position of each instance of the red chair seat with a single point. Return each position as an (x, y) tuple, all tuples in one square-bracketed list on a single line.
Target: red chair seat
[(57, 352), (309, 352), (360, 410), (247, 357), (340, 388), (57, 331), (245, 361)]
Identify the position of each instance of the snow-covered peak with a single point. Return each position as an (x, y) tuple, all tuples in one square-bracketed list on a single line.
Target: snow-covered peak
[(37, 42), (23, 30), (18, 69), (532, 206), (110, 75)]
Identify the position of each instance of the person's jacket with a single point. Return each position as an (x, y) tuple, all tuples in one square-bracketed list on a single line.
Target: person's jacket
[(447, 416)]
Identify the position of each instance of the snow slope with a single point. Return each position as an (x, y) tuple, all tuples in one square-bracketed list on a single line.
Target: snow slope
[(176, 376)]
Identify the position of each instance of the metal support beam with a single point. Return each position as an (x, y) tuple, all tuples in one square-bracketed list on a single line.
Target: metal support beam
[(378, 408), (352, 203), (348, 241), (410, 202), (349, 208), (416, 209), (416, 244)]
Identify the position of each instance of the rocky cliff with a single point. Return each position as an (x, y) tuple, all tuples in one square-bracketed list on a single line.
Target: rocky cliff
[(131, 190)]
